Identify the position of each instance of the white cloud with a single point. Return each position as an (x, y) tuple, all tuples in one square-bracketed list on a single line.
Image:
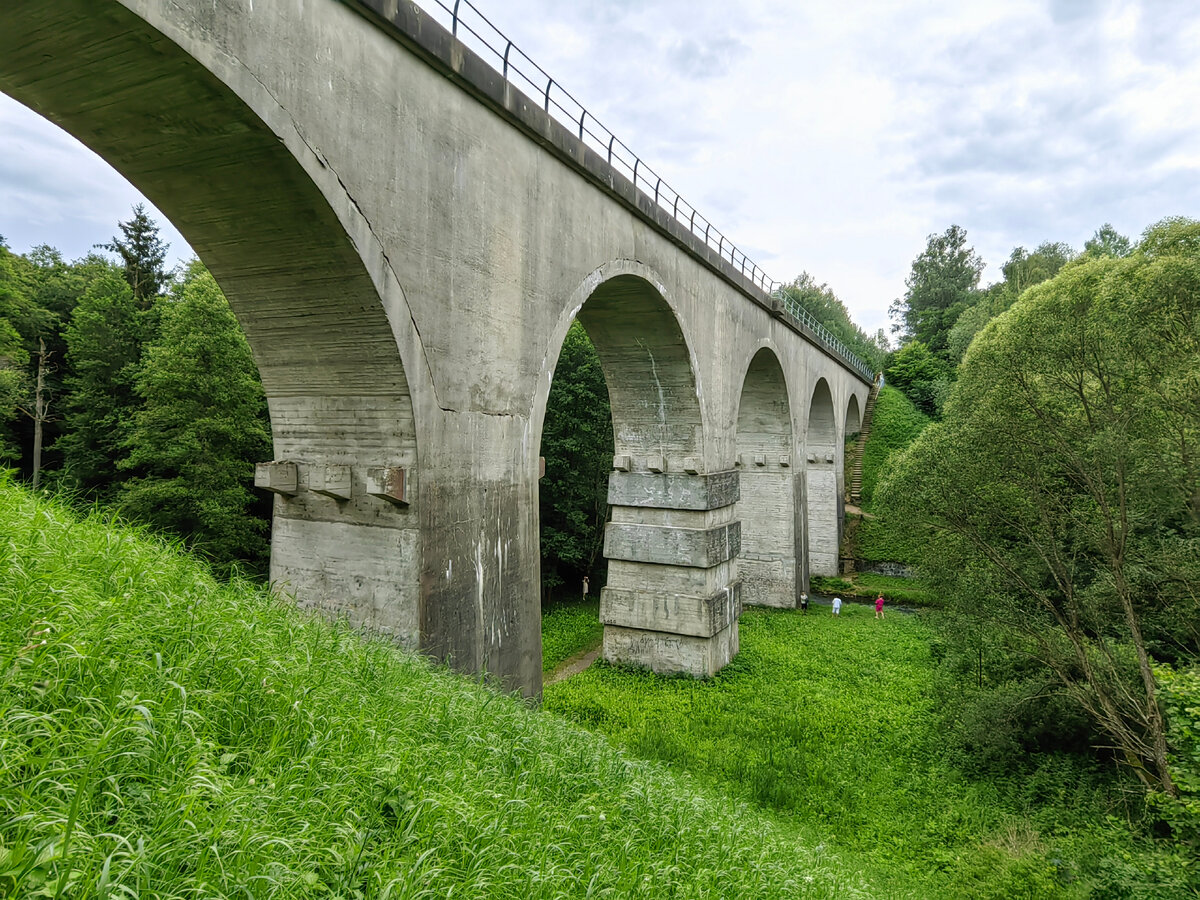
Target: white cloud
[(822, 137)]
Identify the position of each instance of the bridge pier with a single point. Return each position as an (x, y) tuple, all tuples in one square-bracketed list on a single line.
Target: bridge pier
[(673, 598)]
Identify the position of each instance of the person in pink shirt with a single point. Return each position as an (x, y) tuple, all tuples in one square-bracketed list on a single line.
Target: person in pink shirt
[(879, 607)]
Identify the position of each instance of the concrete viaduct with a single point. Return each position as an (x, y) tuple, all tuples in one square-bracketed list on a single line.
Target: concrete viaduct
[(406, 238)]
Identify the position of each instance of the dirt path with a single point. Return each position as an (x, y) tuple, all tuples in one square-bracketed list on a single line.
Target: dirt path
[(573, 665)]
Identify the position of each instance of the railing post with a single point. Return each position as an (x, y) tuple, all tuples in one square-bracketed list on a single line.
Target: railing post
[(748, 268)]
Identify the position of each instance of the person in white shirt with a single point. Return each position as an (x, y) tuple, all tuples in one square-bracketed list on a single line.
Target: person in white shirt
[(837, 606)]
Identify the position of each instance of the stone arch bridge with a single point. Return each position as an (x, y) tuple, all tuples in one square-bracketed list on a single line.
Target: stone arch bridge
[(406, 239)]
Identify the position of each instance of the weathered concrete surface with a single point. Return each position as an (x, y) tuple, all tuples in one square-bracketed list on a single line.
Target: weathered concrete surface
[(823, 474), (406, 239), (671, 491)]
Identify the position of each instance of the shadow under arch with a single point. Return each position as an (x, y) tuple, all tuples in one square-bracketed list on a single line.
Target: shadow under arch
[(853, 422), (648, 370), (823, 495), (767, 509), (670, 603), (204, 153)]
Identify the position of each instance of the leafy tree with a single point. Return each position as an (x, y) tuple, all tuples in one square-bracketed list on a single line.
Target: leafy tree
[(577, 442), (1108, 242), (820, 302), (14, 357), (104, 342), (1062, 488), (143, 255), (1022, 271), (202, 425), (941, 285), (921, 376), (55, 287)]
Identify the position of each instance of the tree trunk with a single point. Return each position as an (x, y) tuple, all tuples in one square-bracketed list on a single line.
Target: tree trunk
[(40, 407)]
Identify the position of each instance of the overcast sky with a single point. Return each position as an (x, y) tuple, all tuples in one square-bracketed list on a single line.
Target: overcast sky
[(820, 137)]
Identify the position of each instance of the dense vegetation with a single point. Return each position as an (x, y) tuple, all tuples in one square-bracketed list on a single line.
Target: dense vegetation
[(577, 444), (820, 302), (1057, 504), (167, 735), (839, 726), (132, 386)]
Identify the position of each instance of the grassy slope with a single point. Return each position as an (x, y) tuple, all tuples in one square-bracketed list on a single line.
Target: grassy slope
[(831, 723), (165, 736), (894, 425)]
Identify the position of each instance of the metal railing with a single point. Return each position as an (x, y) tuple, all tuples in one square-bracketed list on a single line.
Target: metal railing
[(475, 30)]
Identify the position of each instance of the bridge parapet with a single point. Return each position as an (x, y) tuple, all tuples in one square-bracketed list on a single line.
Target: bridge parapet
[(531, 98)]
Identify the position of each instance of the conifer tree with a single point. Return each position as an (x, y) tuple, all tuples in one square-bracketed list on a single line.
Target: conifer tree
[(143, 255), (201, 427), (104, 343)]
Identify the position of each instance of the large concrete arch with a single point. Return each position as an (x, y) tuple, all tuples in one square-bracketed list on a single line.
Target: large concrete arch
[(227, 164), (668, 604), (319, 154), (767, 509), (822, 490)]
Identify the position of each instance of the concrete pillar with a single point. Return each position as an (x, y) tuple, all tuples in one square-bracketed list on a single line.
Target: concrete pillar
[(673, 598)]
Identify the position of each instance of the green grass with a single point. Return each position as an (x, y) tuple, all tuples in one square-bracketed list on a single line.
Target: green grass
[(569, 628), (866, 586), (832, 725), (163, 735)]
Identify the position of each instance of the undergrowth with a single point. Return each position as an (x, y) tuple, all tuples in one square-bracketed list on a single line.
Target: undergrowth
[(569, 628), (833, 724)]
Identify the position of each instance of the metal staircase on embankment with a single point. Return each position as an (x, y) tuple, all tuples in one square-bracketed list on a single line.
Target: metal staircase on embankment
[(863, 434)]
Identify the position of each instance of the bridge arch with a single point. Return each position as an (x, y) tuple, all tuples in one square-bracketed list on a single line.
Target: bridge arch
[(853, 419), (766, 466), (822, 491), (229, 166), (670, 602)]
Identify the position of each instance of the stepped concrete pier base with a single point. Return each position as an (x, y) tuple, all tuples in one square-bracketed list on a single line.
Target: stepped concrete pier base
[(673, 599)]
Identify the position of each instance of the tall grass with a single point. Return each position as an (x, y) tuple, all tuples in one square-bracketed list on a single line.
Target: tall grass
[(164, 735)]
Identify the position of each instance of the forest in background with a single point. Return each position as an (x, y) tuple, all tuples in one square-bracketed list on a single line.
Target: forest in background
[(130, 386)]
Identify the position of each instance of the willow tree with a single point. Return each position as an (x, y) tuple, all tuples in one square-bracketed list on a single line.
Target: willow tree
[(1061, 491)]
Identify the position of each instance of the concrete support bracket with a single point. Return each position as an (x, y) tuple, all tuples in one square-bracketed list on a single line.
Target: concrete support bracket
[(277, 477), (332, 481), (389, 483)]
